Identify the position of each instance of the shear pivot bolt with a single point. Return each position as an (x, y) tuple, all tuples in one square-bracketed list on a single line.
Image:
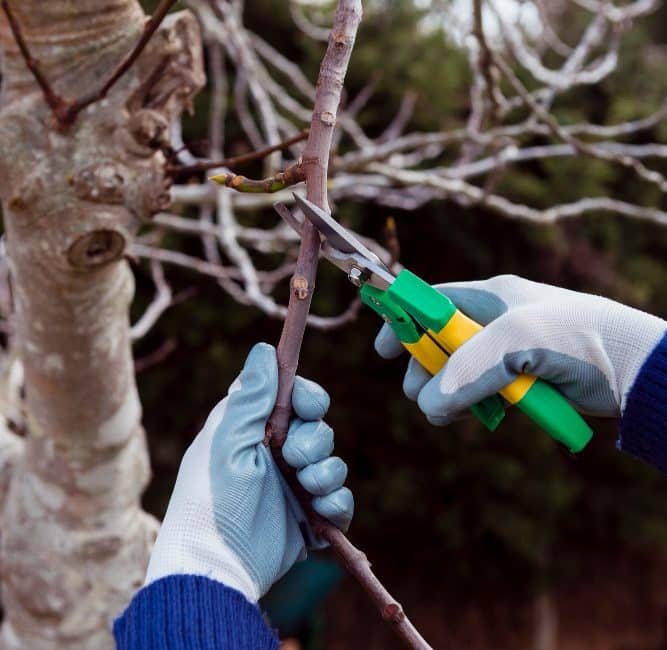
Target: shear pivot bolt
[(356, 277)]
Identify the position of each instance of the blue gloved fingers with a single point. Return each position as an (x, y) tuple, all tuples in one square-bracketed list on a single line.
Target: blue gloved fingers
[(479, 303), (387, 344), (310, 400), (485, 300), (337, 507), (323, 477), (482, 366), (250, 400), (307, 442), (533, 339), (416, 377)]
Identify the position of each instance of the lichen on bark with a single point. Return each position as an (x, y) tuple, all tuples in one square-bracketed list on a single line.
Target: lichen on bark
[(75, 541)]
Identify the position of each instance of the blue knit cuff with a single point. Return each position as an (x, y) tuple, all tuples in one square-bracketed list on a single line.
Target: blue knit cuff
[(644, 422), (181, 612)]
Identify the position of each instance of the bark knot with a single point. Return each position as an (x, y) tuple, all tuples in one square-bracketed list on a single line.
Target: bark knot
[(96, 248), (101, 182), (149, 129)]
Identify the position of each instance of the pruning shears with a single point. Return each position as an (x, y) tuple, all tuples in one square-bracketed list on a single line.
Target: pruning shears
[(430, 327)]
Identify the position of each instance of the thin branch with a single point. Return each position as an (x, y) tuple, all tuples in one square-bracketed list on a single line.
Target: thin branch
[(66, 111), (485, 60), (155, 357), (402, 117), (55, 102), (226, 275), (185, 261), (218, 101), (467, 194), (291, 176), (315, 161), (161, 302), (151, 26), (309, 29), (177, 171), (589, 149)]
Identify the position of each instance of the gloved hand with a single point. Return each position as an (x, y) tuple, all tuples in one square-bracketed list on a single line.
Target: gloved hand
[(590, 348), (231, 516)]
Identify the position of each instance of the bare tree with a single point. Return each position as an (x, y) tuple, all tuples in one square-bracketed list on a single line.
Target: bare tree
[(90, 141)]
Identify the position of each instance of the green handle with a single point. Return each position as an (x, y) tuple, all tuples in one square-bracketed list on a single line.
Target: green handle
[(489, 411), (553, 413)]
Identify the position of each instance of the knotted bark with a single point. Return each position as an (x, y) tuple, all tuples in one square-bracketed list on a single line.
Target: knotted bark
[(75, 542)]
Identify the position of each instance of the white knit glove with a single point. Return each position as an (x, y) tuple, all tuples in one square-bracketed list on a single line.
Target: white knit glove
[(591, 348), (232, 516)]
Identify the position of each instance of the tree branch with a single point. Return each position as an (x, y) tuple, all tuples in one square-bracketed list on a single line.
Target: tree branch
[(588, 149), (291, 176), (161, 302), (55, 102), (64, 110), (315, 162), (237, 160)]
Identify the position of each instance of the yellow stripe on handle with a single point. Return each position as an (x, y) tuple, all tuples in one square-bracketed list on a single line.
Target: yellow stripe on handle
[(427, 353), (457, 331)]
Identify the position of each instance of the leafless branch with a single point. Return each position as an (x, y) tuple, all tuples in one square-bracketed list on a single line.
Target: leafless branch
[(291, 176), (238, 160), (156, 357), (161, 302), (315, 163), (591, 150)]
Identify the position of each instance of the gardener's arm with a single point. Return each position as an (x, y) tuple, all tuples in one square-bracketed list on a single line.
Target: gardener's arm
[(233, 527), (610, 360)]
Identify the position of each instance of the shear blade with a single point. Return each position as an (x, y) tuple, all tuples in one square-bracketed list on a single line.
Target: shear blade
[(335, 234), (339, 246)]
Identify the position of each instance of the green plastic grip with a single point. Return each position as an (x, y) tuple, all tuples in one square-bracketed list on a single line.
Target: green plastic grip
[(489, 411), (542, 402), (553, 413)]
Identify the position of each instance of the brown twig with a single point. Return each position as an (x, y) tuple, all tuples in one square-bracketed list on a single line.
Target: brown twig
[(55, 102), (485, 59), (64, 110), (291, 176), (155, 357), (237, 160), (315, 162)]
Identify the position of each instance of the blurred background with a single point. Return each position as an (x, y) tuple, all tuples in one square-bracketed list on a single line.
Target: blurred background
[(489, 540)]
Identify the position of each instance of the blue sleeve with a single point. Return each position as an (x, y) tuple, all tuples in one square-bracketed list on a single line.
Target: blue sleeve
[(181, 612), (644, 421)]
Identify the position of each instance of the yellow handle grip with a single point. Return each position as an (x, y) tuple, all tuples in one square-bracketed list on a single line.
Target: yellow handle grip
[(457, 331), (429, 355)]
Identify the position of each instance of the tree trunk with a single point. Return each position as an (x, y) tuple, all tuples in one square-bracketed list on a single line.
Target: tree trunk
[(75, 542)]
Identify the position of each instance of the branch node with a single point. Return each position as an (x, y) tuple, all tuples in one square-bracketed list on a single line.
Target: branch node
[(393, 613), (328, 118), (300, 287)]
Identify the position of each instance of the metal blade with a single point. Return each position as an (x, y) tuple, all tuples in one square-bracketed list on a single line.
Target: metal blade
[(359, 264), (335, 234)]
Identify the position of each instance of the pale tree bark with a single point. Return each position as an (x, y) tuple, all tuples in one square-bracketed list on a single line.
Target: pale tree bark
[(75, 541)]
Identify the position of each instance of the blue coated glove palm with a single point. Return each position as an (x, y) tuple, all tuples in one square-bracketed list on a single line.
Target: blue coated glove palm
[(590, 348), (231, 516)]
